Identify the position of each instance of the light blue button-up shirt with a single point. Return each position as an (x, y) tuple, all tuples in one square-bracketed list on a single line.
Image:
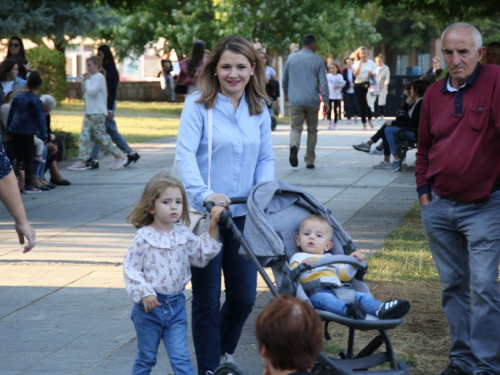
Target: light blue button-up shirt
[(242, 150)]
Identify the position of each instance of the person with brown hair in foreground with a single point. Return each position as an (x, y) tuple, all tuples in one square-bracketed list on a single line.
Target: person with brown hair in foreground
[(289, 335)]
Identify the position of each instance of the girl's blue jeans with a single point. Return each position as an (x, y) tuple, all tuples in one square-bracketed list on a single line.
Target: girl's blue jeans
[(327, 301), (167, 322)]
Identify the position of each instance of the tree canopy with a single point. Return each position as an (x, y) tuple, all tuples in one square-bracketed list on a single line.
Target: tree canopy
[(276, 23), (444, 10)]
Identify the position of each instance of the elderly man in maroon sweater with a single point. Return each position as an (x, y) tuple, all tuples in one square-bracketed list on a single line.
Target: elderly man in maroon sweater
[(458, 181)]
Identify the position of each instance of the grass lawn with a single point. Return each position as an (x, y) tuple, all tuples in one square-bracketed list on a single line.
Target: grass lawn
[(404, 269), (137, 121)]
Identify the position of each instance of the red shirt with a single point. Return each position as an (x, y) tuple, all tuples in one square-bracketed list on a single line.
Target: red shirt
[(459, 138)]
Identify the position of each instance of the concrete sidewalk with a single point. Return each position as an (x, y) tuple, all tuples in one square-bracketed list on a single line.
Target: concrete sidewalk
[(63, 307)]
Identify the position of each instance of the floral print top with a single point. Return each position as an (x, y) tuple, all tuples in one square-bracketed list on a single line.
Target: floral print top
[(160, 261)]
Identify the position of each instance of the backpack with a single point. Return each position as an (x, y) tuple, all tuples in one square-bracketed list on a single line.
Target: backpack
[(273, 89)]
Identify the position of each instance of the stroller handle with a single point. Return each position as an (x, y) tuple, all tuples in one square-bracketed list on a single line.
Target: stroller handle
[(227, 214), (239, 200)]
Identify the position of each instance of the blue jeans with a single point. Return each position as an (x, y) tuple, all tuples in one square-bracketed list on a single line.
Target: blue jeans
[(326, 300), (116, 137), (464, 239), (167, 322), (390, 135), (216, 330), (39, 167), (169, 86)]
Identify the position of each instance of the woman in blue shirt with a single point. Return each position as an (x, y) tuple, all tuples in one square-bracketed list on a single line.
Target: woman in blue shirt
[(232, 85)]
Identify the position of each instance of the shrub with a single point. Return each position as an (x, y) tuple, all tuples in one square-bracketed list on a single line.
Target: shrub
[(51, 64)]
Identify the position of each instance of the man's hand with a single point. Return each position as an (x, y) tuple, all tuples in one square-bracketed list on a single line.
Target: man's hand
[(326, 107), (424, 200), (109, 115), (150, 302)]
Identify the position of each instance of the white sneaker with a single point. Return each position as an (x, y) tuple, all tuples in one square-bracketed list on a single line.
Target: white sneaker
[(375, 151), (226, 358), (119, 162)]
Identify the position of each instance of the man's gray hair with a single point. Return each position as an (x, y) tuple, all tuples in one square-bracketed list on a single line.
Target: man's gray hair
[(478, 39), (49, 101)]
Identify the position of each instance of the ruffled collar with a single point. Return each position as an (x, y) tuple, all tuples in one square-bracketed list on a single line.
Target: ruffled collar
[(164, 240)]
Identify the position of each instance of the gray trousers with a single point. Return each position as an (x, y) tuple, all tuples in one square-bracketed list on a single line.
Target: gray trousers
[(464, 239), (299, 114)]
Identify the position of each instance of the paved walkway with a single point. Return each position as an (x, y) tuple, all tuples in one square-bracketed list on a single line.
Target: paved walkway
[(63, 307)]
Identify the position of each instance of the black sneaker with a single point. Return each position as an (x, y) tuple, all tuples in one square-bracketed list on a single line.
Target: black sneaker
[(394, 309), (452, 369), (294, 161), (93, 164), (132, 158)]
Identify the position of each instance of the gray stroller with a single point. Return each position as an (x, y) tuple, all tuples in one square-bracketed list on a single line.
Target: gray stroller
[(275, 210)]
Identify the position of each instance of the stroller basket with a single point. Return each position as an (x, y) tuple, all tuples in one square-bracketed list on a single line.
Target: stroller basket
[(275, 210)]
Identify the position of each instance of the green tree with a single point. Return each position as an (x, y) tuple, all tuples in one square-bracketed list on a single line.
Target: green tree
[(49, 63), (276, 23), (444, 10), (18, 17), (401, 32)]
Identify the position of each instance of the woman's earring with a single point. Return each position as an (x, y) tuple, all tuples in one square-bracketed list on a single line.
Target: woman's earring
[(251, 74), (215, 74)]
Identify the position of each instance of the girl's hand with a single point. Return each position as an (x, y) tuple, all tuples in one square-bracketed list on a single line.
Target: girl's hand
[(220, 199), (150, 302), (359, 256), (86, 76), (215, 214), (213, 229)]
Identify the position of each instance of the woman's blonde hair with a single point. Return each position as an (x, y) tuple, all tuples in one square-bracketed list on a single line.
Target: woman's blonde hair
[(98, 61), (358, 51), (141, 214), (208, 82)]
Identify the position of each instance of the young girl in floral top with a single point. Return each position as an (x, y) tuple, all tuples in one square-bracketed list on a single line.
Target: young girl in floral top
[(157, 268)]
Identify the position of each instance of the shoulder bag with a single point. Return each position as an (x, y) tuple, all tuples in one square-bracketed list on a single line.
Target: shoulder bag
[(200, 222)]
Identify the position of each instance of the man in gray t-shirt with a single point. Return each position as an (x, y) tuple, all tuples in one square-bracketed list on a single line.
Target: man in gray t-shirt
[(303, 76)]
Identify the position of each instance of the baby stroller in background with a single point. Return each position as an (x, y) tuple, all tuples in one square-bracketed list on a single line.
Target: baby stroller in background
[(275, 210)]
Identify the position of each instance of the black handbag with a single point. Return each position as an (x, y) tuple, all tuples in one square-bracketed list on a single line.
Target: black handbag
[(181, 89), (402, 115)]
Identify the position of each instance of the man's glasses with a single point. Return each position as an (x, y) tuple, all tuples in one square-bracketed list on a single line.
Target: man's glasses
[(14, 44)]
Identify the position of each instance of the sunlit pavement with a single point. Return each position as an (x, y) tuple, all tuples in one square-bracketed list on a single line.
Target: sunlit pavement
[(63, 307)]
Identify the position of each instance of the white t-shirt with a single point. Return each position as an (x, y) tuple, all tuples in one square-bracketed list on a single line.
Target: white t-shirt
[(269, 73), (368, 66), (7, 86), (335, 80)]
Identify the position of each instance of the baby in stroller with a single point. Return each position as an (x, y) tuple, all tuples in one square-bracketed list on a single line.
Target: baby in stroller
[(314, 240)]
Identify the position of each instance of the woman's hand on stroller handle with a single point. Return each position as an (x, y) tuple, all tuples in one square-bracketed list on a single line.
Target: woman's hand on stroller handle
[(219, 199)]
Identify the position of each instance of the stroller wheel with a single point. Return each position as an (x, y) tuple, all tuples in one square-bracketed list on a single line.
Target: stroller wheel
[(229, 369)]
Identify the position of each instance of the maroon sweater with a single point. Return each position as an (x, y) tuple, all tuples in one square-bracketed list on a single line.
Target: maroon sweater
[(459, 146)]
